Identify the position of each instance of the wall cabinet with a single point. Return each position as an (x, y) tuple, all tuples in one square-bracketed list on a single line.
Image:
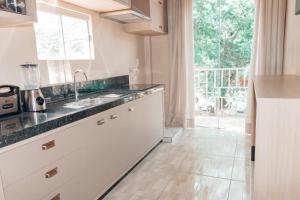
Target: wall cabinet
[(85, 159), (8, 19), (102, 5), (158, 24)]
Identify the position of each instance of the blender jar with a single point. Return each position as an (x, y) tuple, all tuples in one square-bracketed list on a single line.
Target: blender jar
[(31, 76)]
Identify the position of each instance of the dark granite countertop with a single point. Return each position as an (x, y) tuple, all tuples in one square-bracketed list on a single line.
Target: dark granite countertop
[(22, 126)]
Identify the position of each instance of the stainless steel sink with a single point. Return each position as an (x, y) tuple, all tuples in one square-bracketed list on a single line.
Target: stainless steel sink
[(88, 102), (82, 103), (112, 95)]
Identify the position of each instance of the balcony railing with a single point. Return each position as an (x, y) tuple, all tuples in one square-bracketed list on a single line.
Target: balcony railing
[(221, 90)]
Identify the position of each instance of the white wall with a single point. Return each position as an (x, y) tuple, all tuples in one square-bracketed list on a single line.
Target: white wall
[(115, 51), (292, 43)]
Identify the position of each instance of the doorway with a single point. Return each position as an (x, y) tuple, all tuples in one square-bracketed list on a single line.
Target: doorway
[(223, 31)]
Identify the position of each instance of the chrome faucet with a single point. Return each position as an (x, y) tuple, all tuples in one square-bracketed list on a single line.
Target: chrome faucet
[(75, 84)]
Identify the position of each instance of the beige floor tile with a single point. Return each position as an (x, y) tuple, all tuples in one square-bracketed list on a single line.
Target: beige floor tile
[(216, 166), (187, 186), (243, 151), (243, 170), (187, 169), (239, 191), (244, 143), (245, 139), (209, 133), (170, 160), (147, 184), (217, 147)]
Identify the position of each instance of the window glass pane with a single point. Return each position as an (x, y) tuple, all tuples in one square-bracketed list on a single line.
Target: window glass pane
[(76, 38), (48, 36)]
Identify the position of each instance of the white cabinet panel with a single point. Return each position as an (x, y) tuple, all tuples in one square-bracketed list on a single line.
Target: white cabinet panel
[(101, 5), (35, 186), (59, 144)]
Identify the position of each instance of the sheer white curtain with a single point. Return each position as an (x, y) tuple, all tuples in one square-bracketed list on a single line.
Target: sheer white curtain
[(268, 48), (180, 111)]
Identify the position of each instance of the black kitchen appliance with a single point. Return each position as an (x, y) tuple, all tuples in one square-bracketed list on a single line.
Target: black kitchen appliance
[(10, 100)]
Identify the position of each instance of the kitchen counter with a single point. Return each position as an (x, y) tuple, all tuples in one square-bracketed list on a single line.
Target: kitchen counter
[(19, 127), (277, 87)]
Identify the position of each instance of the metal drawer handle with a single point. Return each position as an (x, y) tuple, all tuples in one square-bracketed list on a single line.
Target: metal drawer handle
[(100, 122), (51, 173), (57, 197), (131, 109), (48, 145), (113, 117)]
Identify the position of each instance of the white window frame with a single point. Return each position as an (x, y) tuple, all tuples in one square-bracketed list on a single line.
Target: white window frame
[(56, 10)]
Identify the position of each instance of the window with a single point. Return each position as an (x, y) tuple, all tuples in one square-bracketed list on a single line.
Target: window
[(62, 34)]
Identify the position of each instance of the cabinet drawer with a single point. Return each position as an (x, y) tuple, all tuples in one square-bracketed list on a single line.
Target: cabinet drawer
[(40, 184), (75, 189), (29, 158)]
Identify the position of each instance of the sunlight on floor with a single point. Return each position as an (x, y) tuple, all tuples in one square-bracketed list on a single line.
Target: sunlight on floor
[(201, 163), (234, 124)]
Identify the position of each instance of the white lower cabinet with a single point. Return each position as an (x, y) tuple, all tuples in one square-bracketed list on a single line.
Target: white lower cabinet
[(47, 179), (106, 146)]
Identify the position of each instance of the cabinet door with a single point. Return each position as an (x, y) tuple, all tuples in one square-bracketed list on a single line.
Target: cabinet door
[(146, 122), (157, 16), (101, 5), (154, 120), (158, 24), (107, 150)]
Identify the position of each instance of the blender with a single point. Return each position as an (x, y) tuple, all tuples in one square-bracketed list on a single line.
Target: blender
[(33, 98)]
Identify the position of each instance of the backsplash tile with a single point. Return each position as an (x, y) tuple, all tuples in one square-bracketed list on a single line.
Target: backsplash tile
[(66, 91)]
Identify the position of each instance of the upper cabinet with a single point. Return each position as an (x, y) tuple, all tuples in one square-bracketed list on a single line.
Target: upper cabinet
[(138, 11), (102, 5), (143, 17), (18, 12), (158, 24)]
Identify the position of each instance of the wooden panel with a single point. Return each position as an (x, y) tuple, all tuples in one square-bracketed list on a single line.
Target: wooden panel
[(277, 174), (41, 183)]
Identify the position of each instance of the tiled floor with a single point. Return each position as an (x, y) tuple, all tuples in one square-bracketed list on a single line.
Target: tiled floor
[(200, 164)]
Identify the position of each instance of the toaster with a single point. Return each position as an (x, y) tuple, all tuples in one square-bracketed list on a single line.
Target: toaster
[(9, 100)]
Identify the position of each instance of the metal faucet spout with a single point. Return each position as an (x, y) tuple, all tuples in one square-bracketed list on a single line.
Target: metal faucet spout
[(75, 83)]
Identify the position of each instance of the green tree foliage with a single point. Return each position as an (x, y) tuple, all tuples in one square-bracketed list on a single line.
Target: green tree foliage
[(223, 29)]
